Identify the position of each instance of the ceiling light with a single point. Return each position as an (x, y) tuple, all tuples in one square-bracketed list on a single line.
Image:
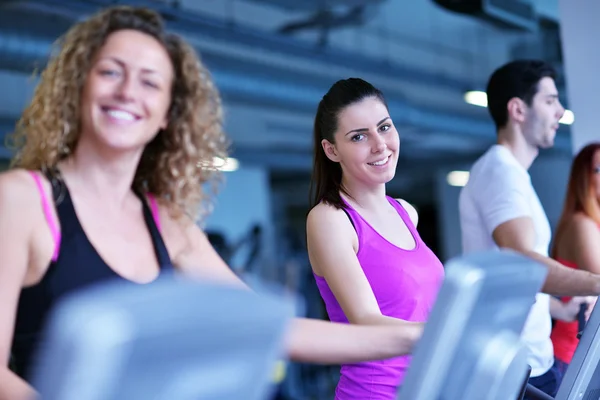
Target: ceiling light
[(457, 178), (228, 164), (568, 118), (479, 98), (476, 98)]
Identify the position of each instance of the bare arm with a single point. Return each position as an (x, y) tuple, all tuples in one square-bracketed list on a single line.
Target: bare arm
[(519, 234), (13, 387), (201, 260), (331, 242), (15, 234), (308, 340), (322, 342)]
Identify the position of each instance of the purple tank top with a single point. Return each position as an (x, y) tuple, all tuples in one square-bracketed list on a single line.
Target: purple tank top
[(405, 284)]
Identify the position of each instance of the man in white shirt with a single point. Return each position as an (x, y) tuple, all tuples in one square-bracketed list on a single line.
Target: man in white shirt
[(499, 207)]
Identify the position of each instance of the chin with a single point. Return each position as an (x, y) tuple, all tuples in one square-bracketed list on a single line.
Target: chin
[(386, 178), (119, 146), (545, 142), (122, 141)]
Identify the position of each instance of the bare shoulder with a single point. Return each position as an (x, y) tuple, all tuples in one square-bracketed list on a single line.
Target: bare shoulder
[(329, 229), (327, 217), (580, 219), (18, 191), (580, 223), (21, 217), (411, 210)]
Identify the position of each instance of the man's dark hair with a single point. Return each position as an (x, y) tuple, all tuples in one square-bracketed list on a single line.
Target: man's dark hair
[(518, 78)]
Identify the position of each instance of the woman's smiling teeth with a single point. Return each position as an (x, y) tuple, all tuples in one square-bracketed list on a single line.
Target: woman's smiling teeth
[(380, 162), (120, 115)]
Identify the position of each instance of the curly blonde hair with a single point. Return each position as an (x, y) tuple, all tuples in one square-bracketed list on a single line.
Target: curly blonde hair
[(178, 161)]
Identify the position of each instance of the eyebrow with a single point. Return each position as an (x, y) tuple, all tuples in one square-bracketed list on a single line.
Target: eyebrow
[(552, 96), (365, 129)]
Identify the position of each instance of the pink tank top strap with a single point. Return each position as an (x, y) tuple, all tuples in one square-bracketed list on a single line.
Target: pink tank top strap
[(47, 208), (403, 213), (154, 209)]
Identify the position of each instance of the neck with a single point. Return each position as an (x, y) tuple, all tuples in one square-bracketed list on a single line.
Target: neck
[(366, 197), (513, 139), (101, 175)]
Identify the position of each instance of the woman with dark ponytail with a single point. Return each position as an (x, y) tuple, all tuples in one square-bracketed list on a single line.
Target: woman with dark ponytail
[(120, 138), (370, 264)]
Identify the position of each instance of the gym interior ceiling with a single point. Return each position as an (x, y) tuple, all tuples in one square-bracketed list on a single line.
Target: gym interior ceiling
[(274, 59)]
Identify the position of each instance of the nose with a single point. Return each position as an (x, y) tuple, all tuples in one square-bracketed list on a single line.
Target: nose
[(126, 89), (378, 143), (561, 111)]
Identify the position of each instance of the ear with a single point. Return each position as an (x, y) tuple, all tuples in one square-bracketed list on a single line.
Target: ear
[(517, 109), (330, 150)]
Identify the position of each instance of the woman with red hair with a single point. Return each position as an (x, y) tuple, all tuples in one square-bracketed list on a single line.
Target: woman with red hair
[(577, 239)]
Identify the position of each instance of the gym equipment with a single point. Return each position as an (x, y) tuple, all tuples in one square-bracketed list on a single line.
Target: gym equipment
[(249, 246), (582, 379), (471, 349), (533, 393), (171, 339)]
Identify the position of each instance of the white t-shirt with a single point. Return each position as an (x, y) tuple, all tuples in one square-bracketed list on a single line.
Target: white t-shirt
[(499, 190)]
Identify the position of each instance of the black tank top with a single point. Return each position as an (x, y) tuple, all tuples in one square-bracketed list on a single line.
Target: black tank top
[(77, 266)]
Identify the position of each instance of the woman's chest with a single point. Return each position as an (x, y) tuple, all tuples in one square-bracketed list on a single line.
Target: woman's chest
[(403, 281)]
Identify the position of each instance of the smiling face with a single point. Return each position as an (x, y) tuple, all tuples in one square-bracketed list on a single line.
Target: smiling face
[(127, 93), (366, 143)]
